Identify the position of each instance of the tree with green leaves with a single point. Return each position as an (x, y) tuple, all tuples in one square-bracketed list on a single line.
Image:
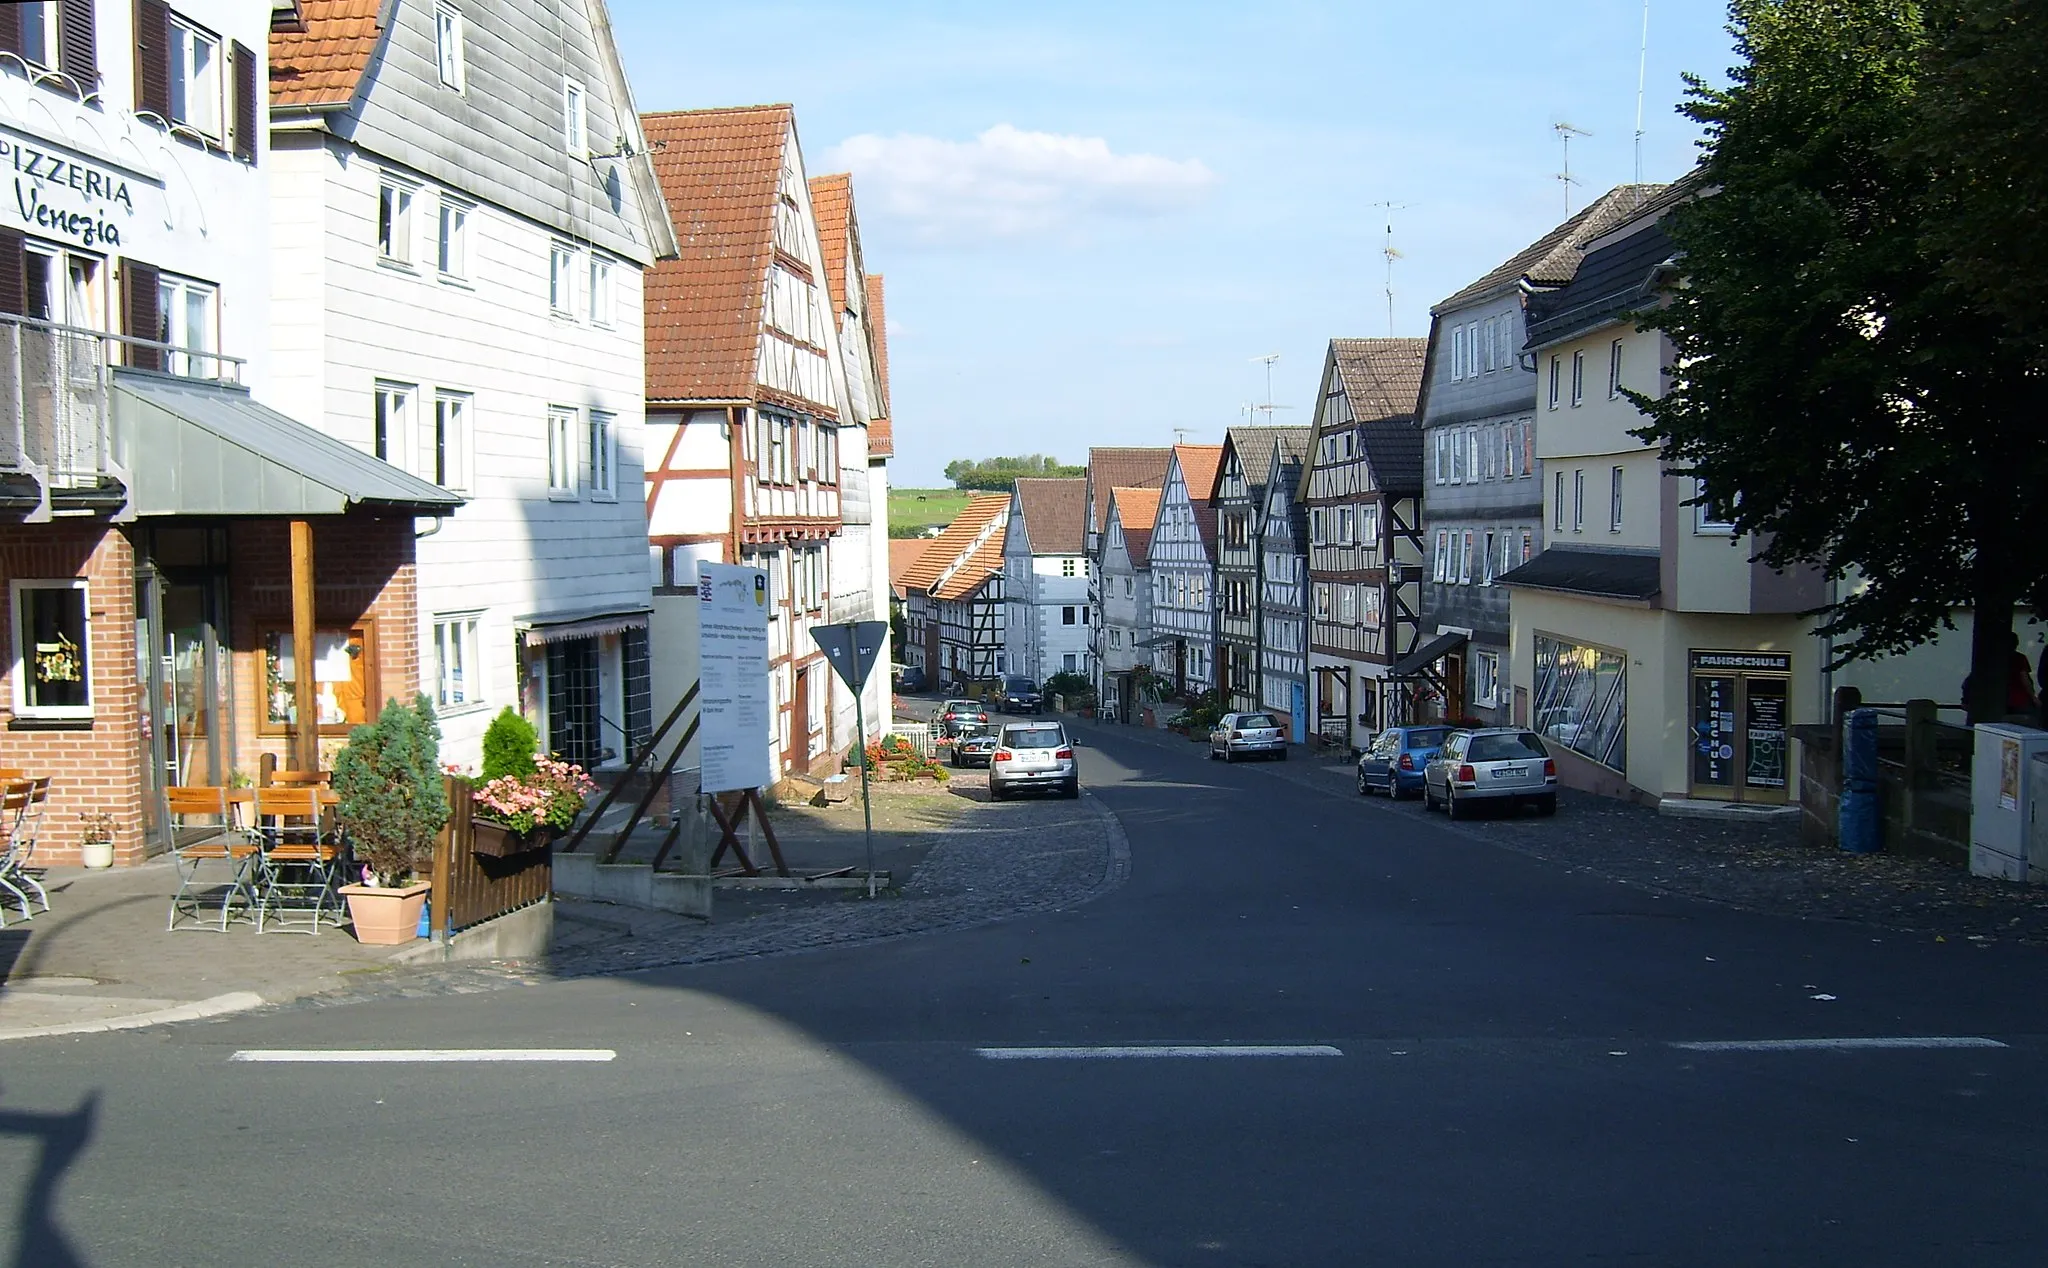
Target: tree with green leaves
[(1000, 475), (1833, 387)]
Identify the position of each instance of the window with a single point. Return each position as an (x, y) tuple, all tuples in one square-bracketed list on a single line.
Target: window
[(1116, 637), (1443, 457), (1556, 371), (561, 452), (1486, 679), (603, 455), (562, 279), (1322, 600), (1457, 353), (1492, 449), (458, 661), (1130, 590), (1579, 500), (1198, 590), (1526, 433), (1510, 452), (1472, 455), (451, 239), (39, 33), (344, 679), (1614, 502), (1580, 699), (52, 669), (1486, 342), (1347, 605), (1070, 662), (575, 119), (1085, 611), (448, 45), (1465, 559), (1578, 379), (1472, 351), (195, 78), (188, 314), (1439, 563), (1557, 505), (601, 311), (391, 435), (1066, 616), (1457, 443), (451, 440), (1067, 567), (1710, 516), (1614, 370), (1486, 561), (394, 222), (1507, 551)]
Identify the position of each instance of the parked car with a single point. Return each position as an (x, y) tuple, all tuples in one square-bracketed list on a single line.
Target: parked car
[(1033, 755), (1497, 764), (954, 714), (1020, 695), (975, 746), (910, 678), (1243, 734), (1394, 761)]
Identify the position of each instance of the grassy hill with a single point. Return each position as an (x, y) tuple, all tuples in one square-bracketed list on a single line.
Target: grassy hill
[(915, 508)]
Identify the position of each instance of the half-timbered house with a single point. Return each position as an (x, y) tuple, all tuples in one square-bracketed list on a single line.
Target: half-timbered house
[(747, 397), (1045, 580), (1240, 497), (1182, 555), (1112, 468), (1283, 588), (1362, 489), (1125, 630), (953, 605)]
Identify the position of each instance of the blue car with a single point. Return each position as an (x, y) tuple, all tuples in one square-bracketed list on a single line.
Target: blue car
[(1393, 765)]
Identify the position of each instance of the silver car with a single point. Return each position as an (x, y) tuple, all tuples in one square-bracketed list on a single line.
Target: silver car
[(1033, 755), (1499, 764), (1243, 734)]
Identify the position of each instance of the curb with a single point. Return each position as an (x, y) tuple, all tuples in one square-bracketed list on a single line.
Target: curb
[(217, 1006)]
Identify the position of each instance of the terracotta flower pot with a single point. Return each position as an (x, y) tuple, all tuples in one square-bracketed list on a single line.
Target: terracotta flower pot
[(497, 840), (385, 917)]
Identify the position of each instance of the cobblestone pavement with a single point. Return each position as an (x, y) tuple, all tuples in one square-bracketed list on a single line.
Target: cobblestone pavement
[(994, 863), (1761, 867)]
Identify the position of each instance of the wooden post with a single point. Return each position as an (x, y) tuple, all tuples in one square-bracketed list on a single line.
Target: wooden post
[(305, 692)]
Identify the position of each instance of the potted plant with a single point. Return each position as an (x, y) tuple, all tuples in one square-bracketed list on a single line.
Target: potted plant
[(516, 813), (96, 838), (393, 802)]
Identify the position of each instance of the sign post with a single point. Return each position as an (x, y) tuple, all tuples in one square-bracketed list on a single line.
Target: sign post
[(853, 649)]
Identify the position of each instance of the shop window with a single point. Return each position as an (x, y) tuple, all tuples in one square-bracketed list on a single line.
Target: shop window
[(344, 679), (458, 661), (1581, 699), (52, 673)]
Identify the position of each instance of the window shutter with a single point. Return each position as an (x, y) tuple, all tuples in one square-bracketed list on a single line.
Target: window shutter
[(244, 66), (77, 50), (13, 272), (141, 313), (10, 29), (153, 57)]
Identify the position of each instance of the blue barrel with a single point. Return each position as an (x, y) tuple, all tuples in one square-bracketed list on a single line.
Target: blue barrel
[(1859, 823)]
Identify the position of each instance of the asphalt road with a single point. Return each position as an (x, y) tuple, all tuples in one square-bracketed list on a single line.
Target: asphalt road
[(1503, 1088)]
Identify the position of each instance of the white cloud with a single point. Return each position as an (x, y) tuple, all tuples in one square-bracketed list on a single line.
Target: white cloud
[(1011, 183)]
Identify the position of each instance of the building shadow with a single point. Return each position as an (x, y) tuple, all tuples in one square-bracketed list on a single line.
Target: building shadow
[(61, 1139)]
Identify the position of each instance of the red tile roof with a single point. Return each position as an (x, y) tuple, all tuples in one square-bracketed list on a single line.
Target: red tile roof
[(1137, 510), (903, 553), (881, 429), (1198, 465), (1130, 468), (953, 556), (719, 170), (832, 208), (1055, 515), (321, 63)]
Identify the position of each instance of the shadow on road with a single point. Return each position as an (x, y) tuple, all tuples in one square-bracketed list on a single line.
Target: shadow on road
[(61, 1138)]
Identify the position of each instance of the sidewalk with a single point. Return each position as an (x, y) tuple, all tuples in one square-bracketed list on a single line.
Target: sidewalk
[(1761, 867)]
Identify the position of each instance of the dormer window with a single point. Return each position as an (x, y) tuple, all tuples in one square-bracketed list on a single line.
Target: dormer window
[(448, 45)]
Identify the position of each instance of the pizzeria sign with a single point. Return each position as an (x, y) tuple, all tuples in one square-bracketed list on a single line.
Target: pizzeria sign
[(60, 193)]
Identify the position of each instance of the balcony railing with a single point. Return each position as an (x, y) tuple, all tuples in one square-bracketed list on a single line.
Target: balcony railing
[(55, 420)]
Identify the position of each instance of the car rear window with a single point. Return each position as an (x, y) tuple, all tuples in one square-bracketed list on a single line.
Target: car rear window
[(963, 706), (1019, 685), (1505, 748), (1428, 736), (1252, 721), (1033, 737)]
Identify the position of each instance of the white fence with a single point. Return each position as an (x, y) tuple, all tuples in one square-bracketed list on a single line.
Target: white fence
[(916, 734)]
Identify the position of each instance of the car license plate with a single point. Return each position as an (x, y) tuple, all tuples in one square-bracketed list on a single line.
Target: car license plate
[(1509, 772)]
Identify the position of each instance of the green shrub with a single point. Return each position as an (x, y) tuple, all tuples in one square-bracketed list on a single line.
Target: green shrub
[(509, 746), (388, 780)]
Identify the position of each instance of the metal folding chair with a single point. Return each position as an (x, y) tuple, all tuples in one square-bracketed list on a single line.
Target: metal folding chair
[(302, 861), (21, 810), (204, 829)]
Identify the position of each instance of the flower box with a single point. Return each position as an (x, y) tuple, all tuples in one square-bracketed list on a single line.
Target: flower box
[(497, 840)]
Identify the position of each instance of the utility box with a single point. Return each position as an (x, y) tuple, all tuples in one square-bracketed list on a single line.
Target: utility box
[(2037, 819), (2004, 778)]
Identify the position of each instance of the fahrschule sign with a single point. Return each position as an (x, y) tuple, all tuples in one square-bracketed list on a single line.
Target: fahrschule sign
[(85, 201)]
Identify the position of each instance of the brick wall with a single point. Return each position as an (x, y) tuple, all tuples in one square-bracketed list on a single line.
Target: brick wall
[(95, 764)]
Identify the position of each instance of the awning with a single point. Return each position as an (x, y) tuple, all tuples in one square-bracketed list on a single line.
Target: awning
[(1424, 656), (1159, 640), (556, 628), (195, 447), (1606, 574)]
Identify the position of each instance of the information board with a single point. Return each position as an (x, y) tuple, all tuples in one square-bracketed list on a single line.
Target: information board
[(732, 666)]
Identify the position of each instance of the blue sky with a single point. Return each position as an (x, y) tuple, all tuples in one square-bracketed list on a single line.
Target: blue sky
[(1094, 217)]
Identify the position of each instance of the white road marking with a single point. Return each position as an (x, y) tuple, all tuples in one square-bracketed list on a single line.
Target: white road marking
[(1158, 1051), (1823, 1045), (408, 1056)]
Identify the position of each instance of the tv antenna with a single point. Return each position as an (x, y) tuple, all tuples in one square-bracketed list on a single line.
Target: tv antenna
[(1181, 434), (1392, 255), (1642, 73), (1268, 407), (1565, 133)]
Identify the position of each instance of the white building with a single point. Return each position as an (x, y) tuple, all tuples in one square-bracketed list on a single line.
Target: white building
[(463, 209), (1125, 581), (1048, 619), (1183, 559)]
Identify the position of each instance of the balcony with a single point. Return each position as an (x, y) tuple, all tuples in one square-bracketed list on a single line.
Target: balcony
[(58, 450)]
